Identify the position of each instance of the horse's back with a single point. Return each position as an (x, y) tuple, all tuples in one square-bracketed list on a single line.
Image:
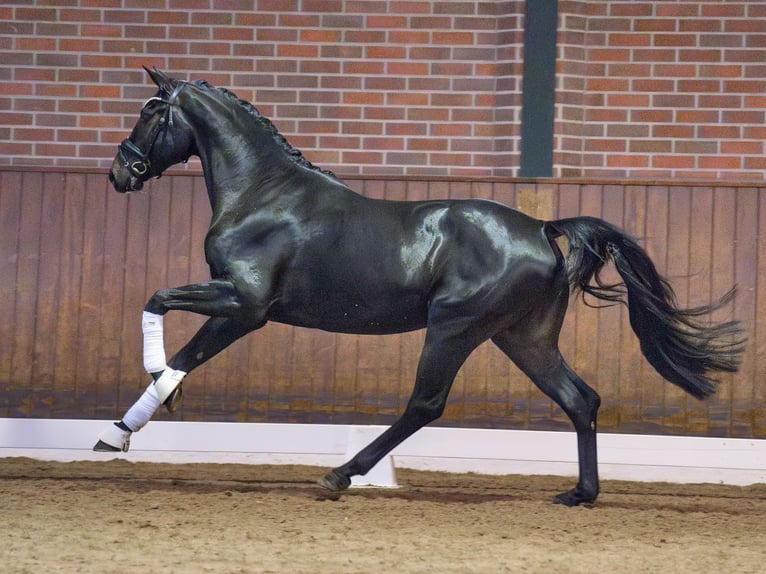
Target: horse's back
[(379, 266)]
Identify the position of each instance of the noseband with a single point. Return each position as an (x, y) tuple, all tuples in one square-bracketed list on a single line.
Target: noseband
[(136, 160)]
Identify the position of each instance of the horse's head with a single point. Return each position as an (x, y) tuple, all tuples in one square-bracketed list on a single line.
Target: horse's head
[(160, 138)]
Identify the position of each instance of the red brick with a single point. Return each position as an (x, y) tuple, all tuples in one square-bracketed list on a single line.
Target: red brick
[(651, 116), (695, 147), (686, 11), (408, 68), (629, 39), (700, 55), (681, 70), (407, 128), (452, 38), (631, 160), (362, 157), (653, 85), (410, 7), (655, 25), (673, 161), (744, 86), (693, 116), (364, 98), (36, 14), (699, 86), (653, 146), (168, 17), (718, 132), (758, 163), (724, 101), (383, 143), (386, 52), (738, 117), (742, 147), (719, 162), (674, 40), (723, 10), (408, 37), (698, 25), (609, 55), (297, 51), (674, 131)]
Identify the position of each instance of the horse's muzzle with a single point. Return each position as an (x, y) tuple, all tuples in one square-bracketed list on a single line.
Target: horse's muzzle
[(123, 181)]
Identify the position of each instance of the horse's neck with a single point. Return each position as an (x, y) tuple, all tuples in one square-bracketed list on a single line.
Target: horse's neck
[(234, 171)]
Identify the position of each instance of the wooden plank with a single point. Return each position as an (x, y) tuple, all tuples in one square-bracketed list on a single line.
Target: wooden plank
[(389, 354), (206, 378), (109, 321), (417, 191), (724, 236), (609, 317), (305, 370), (745, 263), (700, 245), (677, 271), (133, 379), (345, 382), (757, 334), (68, 307), (322, 369), (24, 399), (584, 360), (632, 363), (46, 316), (395, 190), (91, 293), (12, 328)]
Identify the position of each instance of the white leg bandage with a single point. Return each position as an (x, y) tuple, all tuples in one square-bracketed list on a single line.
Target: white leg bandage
[(168, 382), (154, 342), (143, 409)]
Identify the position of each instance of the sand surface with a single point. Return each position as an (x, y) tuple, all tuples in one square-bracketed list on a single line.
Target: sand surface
[(129, 518)]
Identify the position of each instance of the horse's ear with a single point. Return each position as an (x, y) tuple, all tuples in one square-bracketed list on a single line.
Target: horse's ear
[(162, 80)]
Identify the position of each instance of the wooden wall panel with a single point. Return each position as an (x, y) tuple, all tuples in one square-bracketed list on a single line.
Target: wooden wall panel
[(78, 262)]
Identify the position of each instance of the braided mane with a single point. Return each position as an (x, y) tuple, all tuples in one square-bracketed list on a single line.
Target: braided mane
[(265, 123)]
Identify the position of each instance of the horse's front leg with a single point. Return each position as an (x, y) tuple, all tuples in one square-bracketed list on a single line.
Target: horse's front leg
[(217, 298)]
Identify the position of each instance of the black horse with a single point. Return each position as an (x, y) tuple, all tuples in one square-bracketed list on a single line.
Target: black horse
[(291, 243)]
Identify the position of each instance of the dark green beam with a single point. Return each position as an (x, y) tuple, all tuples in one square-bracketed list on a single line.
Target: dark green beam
[(538, 88)]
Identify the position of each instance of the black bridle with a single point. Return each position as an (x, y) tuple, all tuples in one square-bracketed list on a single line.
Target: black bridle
[(133, 157)]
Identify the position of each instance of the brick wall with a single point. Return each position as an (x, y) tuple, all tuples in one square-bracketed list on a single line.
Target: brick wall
[(662, 89), (360, 86), (645, 89)]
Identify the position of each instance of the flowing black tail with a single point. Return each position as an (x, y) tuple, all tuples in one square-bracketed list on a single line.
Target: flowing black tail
[(680, 347)]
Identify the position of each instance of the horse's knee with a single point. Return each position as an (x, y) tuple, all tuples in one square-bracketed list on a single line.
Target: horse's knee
[(155, 304)]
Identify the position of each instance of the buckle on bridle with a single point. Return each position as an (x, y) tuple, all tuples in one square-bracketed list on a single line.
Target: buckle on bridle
[(139, 167)]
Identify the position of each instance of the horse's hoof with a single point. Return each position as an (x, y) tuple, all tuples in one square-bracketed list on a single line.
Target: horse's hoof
[(334, 481), (113, 439), (171, 403), (574, 497), (101, 446)]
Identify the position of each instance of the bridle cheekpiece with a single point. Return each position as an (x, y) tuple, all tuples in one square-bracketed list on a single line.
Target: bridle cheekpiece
[(139, 164)]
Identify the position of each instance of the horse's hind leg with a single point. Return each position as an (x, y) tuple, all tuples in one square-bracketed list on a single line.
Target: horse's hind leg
[(531, 349), (443, 354)]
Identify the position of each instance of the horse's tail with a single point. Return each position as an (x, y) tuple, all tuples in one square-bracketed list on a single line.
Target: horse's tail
[(680, 347)]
